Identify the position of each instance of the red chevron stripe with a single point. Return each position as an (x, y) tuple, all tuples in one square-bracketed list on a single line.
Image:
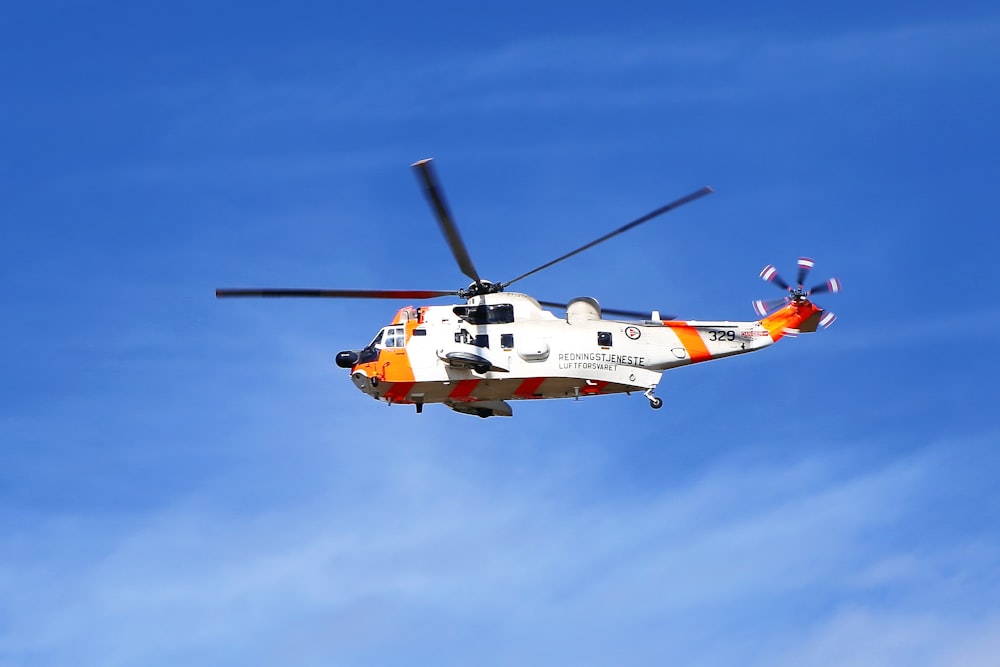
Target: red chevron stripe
[(463, 390), (529, 387), (399, 391)]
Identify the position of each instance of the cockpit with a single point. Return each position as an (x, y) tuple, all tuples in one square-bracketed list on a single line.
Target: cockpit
[(388, 338)]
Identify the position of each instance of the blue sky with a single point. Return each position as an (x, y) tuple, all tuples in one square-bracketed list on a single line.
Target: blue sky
[(188, 480)]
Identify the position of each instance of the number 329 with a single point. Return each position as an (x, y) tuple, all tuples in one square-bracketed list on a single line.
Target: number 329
[(717, 335)]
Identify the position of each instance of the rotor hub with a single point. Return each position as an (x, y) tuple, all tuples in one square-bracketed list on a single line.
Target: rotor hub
[(798, 295), (480, 288)]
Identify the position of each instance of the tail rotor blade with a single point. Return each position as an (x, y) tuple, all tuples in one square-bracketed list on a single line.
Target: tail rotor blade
[(827, 319), (805, 266), (832, 285), (763, 307), (770, 274)]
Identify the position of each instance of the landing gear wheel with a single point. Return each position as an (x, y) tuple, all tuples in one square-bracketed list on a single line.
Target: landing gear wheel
[(482, 369), (656, 402)]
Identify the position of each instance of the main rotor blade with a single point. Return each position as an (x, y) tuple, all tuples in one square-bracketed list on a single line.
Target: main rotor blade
[(333, 293), (436, 198), (633, 314), (621, 230)]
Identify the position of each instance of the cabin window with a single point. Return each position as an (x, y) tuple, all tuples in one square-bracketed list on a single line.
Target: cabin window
[(395, 337), (507, 341), (482, 340), (492, 313), (604, 338)]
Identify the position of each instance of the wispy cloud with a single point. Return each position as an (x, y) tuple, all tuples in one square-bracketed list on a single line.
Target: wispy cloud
[(414, 544), (860, 637), (587, 72)]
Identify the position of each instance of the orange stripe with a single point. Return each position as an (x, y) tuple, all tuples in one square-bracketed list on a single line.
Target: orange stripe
[(463, 390), (691, 340), (528, 387), (395, 365)]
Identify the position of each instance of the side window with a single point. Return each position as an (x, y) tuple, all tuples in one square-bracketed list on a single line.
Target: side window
[(397, 337), (498, 313), (604, 338), (501, 313), (507, 341), (482, 340), (393, 337)]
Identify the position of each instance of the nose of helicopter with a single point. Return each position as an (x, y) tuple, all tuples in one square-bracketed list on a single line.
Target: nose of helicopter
[(347, 358)]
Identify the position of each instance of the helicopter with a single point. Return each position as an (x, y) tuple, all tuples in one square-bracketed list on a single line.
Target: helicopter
[(499, 346)]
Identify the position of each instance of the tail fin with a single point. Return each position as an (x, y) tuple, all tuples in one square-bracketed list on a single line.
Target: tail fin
[(797, 317)]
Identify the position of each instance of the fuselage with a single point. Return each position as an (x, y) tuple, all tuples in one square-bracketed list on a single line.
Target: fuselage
[(505, 346)]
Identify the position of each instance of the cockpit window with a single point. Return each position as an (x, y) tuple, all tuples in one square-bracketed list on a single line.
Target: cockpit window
[(388, 338), (394, 337), (370, 351)]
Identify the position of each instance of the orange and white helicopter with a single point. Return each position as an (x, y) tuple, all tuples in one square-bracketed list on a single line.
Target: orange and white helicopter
[(500, 346)]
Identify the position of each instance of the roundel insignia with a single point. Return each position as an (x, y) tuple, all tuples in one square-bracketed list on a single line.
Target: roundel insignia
[(632, 333)]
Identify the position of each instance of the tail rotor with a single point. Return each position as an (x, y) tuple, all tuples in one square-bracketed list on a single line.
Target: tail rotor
[(798, 293)]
